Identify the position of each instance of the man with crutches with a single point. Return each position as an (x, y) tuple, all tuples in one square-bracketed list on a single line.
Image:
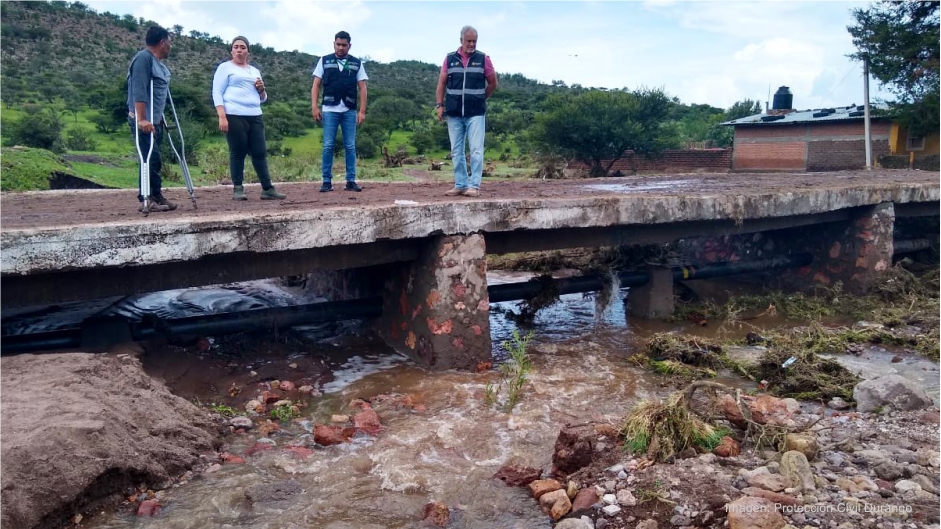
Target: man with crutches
[(148, 86)]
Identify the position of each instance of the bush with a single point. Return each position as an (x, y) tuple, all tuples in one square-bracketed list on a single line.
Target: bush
[(80, 140), (42, 129), (366, 147), (422, 140)]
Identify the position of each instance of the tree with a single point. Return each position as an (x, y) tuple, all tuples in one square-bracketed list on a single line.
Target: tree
[(900, 38), (722, 135), (741, 109), (40, 128), (599, 127)]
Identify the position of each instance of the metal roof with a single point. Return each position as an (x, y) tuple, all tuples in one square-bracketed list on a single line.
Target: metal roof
[(803, 117)]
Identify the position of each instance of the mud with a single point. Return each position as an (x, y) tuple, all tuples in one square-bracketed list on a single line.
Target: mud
[(79, 429)]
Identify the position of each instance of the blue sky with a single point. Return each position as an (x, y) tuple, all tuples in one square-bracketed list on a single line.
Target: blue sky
[(702, 52)]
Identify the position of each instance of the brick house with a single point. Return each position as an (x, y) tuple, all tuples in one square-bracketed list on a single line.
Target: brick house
[(830, 139)]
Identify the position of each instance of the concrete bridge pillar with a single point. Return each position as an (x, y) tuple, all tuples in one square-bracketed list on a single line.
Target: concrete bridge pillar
[(436, 309), (654, 299), (853, 252)]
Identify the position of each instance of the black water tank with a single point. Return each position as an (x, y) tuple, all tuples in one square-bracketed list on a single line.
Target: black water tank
[(783, 99)]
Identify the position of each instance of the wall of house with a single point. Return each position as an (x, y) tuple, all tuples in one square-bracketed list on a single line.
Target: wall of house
[(898, 142), (807, 147), (765, 148), (670, 161)]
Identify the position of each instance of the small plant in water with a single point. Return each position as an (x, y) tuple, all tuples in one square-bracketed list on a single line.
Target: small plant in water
[(283, 413), (512, 373), (222, 409)]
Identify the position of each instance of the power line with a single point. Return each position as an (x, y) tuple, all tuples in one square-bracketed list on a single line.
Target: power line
[(855, 65)]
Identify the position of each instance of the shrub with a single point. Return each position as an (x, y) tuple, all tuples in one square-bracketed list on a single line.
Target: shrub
[(80, 140), (42, 129)]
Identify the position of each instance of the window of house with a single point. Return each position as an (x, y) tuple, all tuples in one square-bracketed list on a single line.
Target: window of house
[(915, 143)]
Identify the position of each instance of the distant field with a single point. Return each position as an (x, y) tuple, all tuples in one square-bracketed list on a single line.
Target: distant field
[(113, 162)]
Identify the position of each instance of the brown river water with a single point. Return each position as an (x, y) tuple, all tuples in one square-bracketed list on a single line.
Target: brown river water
[(445, 449)]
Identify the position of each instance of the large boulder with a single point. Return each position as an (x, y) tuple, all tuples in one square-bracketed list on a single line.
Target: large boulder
[(79, 427), (890, 391)]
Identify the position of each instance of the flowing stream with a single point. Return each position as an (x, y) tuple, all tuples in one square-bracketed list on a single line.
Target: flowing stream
[(441, 440)]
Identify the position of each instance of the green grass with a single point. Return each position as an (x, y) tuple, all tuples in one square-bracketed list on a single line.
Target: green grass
[(26, 169), (115, 163)]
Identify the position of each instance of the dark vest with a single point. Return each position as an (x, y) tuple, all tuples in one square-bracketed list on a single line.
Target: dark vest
[(465, 92), (340, 86)]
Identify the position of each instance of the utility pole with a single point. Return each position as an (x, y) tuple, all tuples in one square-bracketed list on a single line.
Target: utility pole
[(866, 111)]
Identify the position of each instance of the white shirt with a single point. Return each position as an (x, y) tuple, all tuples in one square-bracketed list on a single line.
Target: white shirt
[(234, 88), (360, 76)]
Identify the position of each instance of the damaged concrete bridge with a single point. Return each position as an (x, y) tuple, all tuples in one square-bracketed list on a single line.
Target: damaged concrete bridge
[(425, 254)]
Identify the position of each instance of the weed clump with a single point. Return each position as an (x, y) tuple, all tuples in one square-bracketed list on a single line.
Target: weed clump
[(679, 356), (808, 377), (662, 429)]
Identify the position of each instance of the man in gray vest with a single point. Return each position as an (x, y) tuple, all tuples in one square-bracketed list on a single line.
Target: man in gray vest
[(146, 68), (466, 81), (343, 79)]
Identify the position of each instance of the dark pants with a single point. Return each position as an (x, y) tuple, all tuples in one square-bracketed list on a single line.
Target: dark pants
[(155, 162), (247, 136)]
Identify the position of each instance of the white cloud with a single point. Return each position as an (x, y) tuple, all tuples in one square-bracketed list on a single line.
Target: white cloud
[(702, 52), (310, 26)]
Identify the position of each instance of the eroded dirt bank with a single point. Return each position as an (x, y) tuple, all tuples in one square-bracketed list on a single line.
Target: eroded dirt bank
[(79, 428)]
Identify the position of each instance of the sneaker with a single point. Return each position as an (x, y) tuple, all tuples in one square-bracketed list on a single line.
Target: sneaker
[(457, 191), (238, 193), (352, 186), (326, 187), (471, 192), (161, 204), (271, 194)]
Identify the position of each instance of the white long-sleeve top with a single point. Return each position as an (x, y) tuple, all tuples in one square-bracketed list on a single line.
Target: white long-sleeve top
[(234, 88)]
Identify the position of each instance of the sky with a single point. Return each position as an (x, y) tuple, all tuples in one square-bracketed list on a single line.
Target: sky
[(703, 52)]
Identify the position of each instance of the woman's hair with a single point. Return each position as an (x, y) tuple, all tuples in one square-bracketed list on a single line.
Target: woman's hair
[(240, 38)]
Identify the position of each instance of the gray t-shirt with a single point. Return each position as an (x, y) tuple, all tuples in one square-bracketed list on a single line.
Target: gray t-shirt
[(144, 68)]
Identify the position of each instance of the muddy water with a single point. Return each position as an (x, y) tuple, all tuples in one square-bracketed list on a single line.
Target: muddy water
[(445, 448)]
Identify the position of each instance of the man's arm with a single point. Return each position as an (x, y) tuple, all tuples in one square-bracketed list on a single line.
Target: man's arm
[(439, 93), (314, 97), (491, 83), (138, 84), (361, 114)]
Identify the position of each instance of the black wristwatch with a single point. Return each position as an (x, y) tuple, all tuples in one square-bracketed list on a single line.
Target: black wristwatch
[(439, 105)]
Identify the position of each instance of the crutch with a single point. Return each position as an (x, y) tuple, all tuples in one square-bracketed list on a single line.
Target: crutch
[(181, 155), (145, 162)]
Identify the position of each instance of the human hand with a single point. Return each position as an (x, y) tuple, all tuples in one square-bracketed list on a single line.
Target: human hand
[(259, 85), (360, 117), (223, 124), (145, 126), (440, 111), (318, 117)]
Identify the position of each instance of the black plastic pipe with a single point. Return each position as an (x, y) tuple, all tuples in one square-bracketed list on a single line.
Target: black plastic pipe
[(279, 317), (910, 245), (591, 283)]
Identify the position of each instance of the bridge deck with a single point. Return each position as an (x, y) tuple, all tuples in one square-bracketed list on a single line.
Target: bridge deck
[(68, 230), (57, 209)]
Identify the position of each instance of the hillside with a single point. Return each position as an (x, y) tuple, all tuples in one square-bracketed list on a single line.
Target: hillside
[(51, 49)]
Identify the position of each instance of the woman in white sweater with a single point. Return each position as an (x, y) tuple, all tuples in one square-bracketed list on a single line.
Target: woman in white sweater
[(237, 93)]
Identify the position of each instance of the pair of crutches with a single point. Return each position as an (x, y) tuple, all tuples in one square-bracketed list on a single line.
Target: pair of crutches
[(145, 190)]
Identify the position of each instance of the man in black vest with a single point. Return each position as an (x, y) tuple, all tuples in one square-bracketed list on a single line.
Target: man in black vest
[(343, 78), (466, 81)]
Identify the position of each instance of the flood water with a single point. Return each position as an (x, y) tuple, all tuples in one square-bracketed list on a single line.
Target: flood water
[(444, 446)]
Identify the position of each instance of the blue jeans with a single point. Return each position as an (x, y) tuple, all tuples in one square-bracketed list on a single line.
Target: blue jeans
[(471, 129), (332, 121)]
